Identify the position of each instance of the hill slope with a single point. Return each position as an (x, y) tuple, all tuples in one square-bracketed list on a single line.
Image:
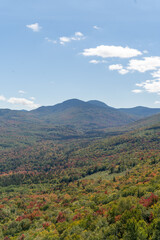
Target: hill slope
[(101, 189), (140, 112), (85, 115), (85, 189), (68, 120)]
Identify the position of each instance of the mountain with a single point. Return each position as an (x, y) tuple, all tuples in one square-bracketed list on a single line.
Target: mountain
[(98, 103), (78, 188), (70, 119), (140, 112), (92, 114), (152, 122)]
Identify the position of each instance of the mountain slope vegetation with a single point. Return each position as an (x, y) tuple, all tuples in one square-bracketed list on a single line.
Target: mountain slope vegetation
[(58, 183), (98, 189), (85, 115), (141, 112)]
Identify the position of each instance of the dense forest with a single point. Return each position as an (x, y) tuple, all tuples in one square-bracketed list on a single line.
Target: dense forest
[(102, 186), (80, 120), (78, 182)]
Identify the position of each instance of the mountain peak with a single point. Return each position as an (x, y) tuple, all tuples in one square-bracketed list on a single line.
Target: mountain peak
[(73, 102), (98, 103)]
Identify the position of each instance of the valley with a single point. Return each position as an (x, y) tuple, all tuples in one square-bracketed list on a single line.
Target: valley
[(79, 171)]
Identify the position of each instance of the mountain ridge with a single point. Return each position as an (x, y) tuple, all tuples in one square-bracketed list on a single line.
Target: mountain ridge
[(78, 114), (140, 111)]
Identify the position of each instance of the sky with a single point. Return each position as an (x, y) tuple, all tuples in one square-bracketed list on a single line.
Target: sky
[(55, 50)]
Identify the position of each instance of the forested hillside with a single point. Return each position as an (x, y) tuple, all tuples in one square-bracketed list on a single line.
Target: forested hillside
[(141, 112), (104, 187), (79, 120)]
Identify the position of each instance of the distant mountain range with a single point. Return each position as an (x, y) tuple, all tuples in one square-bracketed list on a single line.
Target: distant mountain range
[(72, 119), (91, 114), (75, 113), (140, 112)]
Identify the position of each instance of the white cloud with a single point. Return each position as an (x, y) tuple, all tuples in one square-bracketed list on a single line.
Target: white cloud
[(105, 51), (151, 86), (157, 102), (123, 71), (119, 68), (64, 40), (77, 37), (34, 27), (147, 64), (96, 27), (22, 101), (50, 40), (137, 91), (115, 67), (97, 61), (78, 34), (21, 92), (156, 74), (94, 61), (142, 65), (2, 98)]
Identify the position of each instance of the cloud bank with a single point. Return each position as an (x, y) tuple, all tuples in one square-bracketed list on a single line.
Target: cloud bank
[(146, 64), (119, 68), (106, 51), (151, 86), (20, 101)]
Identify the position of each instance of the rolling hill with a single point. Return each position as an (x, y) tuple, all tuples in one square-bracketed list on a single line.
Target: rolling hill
[(85, 115), (74, 113), (71, 119), (140, 112), (58, 183)]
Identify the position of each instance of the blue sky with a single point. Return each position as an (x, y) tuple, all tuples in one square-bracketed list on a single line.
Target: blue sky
[(53, 50)]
